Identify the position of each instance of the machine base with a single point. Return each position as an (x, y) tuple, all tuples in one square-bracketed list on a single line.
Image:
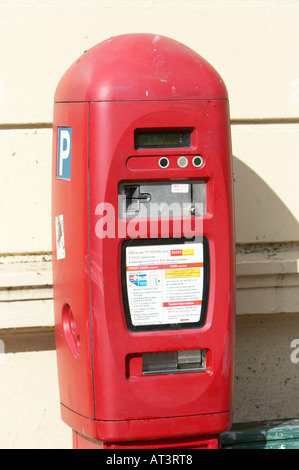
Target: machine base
[(200, 442)]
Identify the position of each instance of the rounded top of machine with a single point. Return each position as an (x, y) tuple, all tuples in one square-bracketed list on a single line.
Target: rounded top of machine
[(140, 67)]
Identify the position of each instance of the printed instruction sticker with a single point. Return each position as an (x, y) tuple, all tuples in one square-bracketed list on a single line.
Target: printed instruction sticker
[(60, 246), (165, 283)]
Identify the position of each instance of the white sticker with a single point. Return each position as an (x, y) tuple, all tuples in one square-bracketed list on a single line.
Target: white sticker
[(180, 188), (60, 247), (165, 283)]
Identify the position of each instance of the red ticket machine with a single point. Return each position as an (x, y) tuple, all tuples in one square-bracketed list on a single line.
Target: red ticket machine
[(143, 246)]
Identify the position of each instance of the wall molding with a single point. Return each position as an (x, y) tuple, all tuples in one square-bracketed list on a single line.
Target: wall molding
[(267, 281)]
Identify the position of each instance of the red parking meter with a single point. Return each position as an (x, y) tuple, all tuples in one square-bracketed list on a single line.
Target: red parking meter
[(143, 246)]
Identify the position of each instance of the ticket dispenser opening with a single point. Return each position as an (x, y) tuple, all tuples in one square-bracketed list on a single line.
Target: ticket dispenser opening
[(143, 246)]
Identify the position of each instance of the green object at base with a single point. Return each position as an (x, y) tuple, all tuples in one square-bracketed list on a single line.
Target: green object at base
[(262, 435)]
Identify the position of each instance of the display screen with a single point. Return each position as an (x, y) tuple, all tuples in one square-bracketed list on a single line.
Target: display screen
[(165, 283), (159, 139)]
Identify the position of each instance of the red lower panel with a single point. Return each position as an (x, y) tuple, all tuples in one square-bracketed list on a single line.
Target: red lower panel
[(140, 430)]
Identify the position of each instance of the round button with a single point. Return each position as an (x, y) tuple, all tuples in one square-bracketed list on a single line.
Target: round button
[(197, 161), (163, 162), (183, 162)]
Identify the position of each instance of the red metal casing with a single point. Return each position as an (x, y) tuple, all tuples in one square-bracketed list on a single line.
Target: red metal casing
[(128, 82)]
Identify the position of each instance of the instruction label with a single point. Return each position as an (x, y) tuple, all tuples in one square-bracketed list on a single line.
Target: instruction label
[(165, 283)]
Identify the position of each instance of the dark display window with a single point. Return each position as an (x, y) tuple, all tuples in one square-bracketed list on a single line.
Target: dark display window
[(159, 139)]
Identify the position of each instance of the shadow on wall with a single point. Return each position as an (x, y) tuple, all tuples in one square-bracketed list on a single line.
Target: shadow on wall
[(261, 216)]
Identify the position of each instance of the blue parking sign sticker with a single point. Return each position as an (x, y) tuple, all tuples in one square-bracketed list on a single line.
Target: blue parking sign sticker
[(64, 153)]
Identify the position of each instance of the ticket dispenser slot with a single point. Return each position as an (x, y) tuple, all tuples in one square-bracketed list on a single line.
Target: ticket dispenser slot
[(162, 199), (169, 362)]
